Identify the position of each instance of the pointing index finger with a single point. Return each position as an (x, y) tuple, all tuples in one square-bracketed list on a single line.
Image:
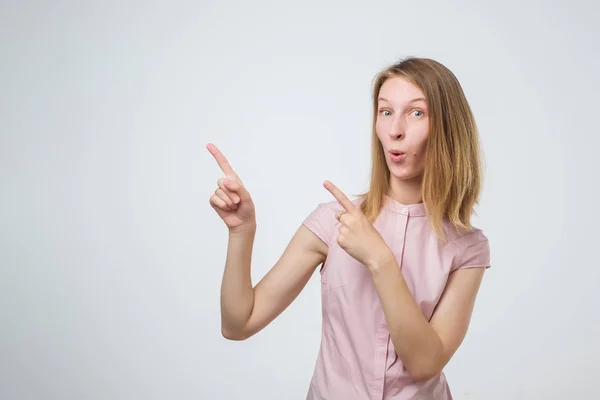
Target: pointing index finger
[(340, 196), (221, 160)]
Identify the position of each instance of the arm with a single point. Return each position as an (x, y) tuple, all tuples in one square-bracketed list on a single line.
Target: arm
[(246, 310), (426, 347)]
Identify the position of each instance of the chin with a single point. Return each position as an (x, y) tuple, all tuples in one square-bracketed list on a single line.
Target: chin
[(404, 174), (404, 177)]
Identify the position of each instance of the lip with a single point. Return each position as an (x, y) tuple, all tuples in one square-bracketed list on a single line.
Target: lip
[(396, 155)]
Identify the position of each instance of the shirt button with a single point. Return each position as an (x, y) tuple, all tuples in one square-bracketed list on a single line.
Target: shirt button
[(404, 210)]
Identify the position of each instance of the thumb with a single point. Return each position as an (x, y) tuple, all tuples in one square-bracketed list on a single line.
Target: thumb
[(234, 183)]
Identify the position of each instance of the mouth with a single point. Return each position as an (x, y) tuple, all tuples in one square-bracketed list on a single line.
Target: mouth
[(396, 155)]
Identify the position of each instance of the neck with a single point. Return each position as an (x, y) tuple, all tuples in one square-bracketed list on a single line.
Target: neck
[(406, 191)]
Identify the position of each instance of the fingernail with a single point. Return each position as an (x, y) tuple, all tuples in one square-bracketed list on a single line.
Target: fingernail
[(236, 199)]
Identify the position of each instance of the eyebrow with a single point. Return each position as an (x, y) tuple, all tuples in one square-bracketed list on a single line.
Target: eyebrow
[(412, 101)]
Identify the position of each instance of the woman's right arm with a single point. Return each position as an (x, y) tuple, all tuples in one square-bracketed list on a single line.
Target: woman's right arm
[(246, 310)]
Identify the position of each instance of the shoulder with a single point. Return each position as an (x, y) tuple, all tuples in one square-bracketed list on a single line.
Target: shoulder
[(471, 238), (321, 220), (470, 249), (459, 239), (334, 206)]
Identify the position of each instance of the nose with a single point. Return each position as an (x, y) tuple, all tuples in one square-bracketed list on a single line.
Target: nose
[(398, 128)]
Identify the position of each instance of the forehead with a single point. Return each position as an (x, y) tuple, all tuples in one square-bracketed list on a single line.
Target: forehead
[(399, 90)]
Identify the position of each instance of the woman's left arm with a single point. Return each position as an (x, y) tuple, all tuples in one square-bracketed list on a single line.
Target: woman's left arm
[(425, 347)]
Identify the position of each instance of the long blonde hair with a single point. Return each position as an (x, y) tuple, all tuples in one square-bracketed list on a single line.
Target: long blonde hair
[(453, 162)]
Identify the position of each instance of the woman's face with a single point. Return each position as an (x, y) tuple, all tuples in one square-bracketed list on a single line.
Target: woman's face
[(402, 127)]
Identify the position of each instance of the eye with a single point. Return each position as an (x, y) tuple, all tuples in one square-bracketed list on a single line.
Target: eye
[(383, 111), (419, 111)]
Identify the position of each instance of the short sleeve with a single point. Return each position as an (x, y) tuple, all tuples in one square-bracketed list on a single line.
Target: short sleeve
[(321, 221), (473, 251)]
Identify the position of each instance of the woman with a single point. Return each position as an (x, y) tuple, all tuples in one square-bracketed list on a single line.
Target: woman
[(401, 264)]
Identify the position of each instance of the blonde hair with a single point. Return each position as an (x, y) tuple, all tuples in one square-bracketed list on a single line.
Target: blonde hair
[(453, 162)]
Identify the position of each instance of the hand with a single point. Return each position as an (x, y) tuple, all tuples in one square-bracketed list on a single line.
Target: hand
[(358, 237), (231, 200)]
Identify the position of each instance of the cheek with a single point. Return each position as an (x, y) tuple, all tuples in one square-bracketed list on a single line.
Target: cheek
[(421, 138), (422, 145), (382, 138), (379, 130)]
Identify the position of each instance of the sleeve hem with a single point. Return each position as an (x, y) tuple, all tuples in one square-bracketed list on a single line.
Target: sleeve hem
[(486, 266), (313, 229)]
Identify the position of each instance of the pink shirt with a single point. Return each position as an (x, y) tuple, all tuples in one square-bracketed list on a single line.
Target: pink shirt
[(357, 359)]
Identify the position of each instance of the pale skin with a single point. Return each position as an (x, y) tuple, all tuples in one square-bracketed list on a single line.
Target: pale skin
[(425, 347)]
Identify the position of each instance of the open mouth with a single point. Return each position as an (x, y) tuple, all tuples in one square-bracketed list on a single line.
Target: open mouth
[(396, 155)]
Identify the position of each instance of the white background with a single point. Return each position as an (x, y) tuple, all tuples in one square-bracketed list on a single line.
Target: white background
[(111, 257)]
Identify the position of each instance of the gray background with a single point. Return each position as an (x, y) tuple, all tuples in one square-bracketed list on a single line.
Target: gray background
[(111, 257)]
